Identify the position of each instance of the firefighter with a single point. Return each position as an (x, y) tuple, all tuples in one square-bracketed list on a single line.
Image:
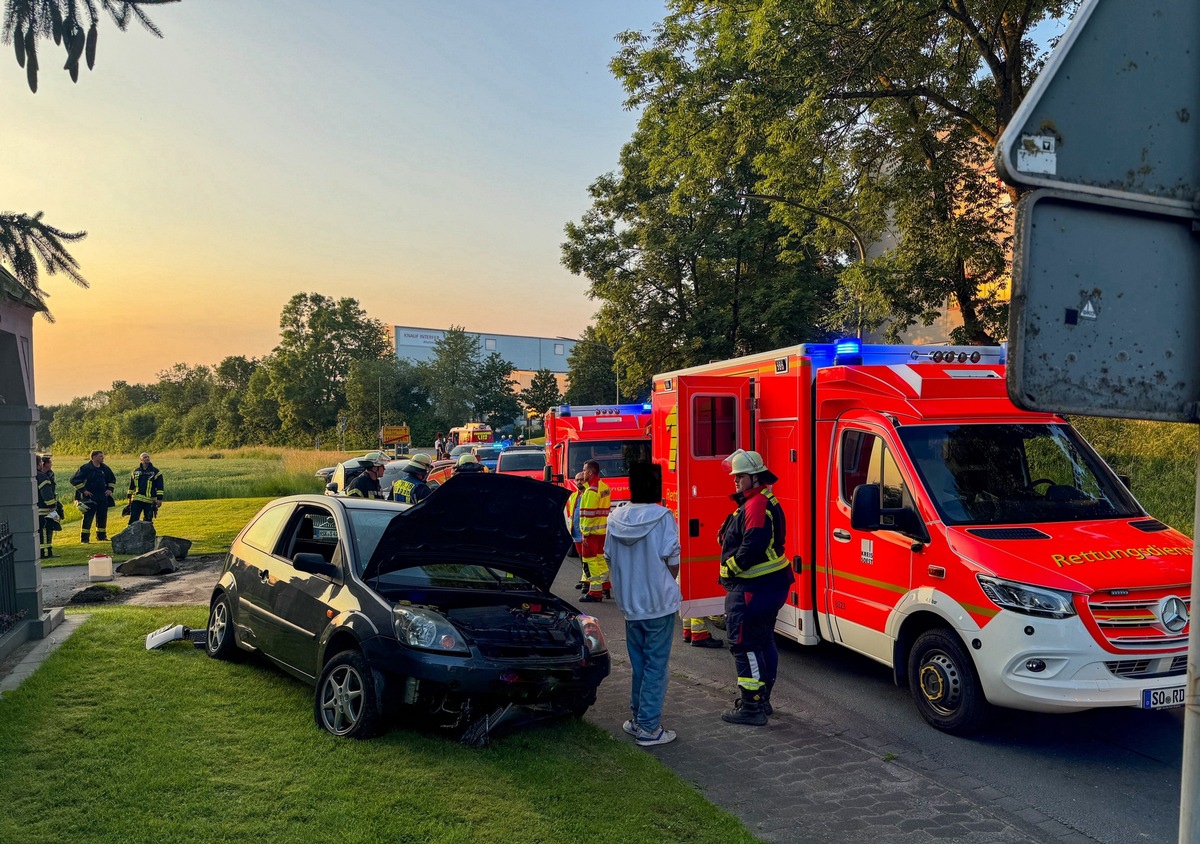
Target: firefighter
[(468, 463), (411, 487), (94, 483), (593, 525), (145, 490), (49, 517), (756, 577), (572, 515), (366, 485)]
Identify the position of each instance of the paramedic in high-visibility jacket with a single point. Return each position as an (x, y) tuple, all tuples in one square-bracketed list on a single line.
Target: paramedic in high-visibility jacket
[(756, 576), (594, 504)]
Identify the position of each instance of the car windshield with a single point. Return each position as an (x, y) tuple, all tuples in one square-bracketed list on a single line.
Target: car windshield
[(460, 450), (487, 453), (522, 461), (614, 456), (1014, 474)]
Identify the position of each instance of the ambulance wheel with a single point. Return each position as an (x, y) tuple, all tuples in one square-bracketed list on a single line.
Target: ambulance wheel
[(219, 641), (944, 684)]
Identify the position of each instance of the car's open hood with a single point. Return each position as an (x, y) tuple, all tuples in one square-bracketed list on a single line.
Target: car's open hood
[(508, 523)]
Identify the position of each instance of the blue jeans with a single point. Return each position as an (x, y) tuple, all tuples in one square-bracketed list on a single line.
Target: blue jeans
[(649, 645)]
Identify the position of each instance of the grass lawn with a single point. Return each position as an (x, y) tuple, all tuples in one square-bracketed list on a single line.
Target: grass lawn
[(109, 742), (210, 524)]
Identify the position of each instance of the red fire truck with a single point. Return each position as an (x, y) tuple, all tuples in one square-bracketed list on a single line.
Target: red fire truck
[(612, 435), (986, 554)]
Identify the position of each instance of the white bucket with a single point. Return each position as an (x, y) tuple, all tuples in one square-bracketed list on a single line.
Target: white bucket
[(100, 567)]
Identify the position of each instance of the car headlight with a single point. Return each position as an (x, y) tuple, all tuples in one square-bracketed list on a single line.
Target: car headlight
[(1030, 600), (419, 628), (593, 637)]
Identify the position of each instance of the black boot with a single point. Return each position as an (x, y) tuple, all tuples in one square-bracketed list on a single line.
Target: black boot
[(747, 710), (101, 536), (766, 701), (85, 537)]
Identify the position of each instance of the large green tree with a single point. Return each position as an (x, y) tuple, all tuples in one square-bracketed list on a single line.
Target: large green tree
[(542, 393), (450, 377), (868, 119), (590, 370), (495, 399), (318, 340)]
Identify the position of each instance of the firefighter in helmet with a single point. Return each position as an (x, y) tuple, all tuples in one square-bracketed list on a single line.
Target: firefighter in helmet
[(756, 577), (411, 488), (49, 510), (468, 463)]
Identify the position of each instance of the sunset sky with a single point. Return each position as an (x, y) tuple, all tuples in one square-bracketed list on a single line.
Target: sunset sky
[(421, 158)]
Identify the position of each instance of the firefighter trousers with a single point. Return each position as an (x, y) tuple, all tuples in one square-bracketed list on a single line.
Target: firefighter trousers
[(751, 606)]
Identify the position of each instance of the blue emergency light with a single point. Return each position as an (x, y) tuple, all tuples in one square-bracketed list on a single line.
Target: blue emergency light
[(848, 352)]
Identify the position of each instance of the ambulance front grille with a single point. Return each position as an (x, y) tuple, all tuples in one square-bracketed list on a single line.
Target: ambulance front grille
[(1129, 618), (1143, 669)]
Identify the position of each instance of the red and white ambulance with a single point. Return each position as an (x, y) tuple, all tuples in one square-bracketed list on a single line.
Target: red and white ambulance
[(612, 435), (986, 554)]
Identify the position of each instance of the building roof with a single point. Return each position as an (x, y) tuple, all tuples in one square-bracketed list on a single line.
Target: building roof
[(13, 290)]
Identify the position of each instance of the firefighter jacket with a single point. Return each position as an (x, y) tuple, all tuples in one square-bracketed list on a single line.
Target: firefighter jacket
[(98, 480), (594, 504), (752, 537), (47, 495), (364, 486), (572, 509), (411, 489), (146, 485)]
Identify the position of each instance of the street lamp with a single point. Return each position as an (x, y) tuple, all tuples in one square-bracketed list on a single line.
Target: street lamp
[(783, 200)]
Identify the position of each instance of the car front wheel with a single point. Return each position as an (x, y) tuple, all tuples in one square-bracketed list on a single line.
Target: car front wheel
[(345, 699), (219, 642), (944, 684)]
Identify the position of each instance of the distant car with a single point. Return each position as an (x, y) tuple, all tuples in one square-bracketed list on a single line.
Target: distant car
[(488, 455), (385, 607), (459, 450), (326, 473), (527, 462)]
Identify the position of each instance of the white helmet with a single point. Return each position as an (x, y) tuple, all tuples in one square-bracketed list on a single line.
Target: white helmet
[(743, 462)]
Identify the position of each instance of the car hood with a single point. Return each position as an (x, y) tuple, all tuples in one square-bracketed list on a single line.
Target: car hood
[(505, 522)]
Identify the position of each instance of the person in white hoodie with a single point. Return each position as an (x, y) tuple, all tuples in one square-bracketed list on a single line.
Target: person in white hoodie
[(642, 550)]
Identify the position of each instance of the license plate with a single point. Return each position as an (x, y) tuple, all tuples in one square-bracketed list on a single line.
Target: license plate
[(1163, 698)]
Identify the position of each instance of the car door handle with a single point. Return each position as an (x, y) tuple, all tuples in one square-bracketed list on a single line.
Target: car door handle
[(841, 535)]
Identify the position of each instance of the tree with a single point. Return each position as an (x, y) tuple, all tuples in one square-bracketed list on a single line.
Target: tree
[(319, 338), (451, 376), (25, 240), (542, 392), (590, 370), (495, 399), (870, 119)]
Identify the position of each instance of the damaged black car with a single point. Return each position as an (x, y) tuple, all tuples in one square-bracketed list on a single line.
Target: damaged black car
[(442, 611)]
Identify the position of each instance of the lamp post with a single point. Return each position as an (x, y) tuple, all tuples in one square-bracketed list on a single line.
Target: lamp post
[(783, 200)]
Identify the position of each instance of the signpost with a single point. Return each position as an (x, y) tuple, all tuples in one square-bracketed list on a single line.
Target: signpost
[(1106, 267)]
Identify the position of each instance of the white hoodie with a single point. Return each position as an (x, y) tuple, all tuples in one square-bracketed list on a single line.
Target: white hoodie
[(642, 541)]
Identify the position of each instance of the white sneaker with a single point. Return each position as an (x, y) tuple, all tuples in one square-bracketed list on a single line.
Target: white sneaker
[(648, 739), (630, 727)]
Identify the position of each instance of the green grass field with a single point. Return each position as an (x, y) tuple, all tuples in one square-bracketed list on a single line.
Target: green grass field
[(108, 742)]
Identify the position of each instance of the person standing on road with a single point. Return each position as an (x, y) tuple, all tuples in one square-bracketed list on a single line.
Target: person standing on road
[(594, 505), (411, 487), (572, 515), (697, 634), (145, 490), (756, 578), (49, 515), (366, 485), (439, 447), (94, 483), (642, 550)]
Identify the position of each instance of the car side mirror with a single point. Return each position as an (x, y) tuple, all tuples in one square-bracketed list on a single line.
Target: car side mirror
[(1124, 479), (864, 508), (314, 564), (331, 486)]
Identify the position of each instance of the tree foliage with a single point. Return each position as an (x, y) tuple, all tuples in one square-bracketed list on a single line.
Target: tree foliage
[(872, 119), (495, 398), (590, 370), (541, 394), (451, 376)]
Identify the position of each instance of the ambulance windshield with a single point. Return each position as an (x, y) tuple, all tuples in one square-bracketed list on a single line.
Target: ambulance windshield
[(614, 456), (1014, 474)]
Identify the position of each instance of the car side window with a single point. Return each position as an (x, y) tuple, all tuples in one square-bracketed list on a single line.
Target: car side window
[(262, 533), (312, 531), (866, 459)]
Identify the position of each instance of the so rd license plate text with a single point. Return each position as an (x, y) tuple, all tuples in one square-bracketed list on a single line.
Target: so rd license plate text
[(1164, 698)]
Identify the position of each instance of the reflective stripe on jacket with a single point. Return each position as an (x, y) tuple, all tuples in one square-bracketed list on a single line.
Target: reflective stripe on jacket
[(146, 484), (593, 510)]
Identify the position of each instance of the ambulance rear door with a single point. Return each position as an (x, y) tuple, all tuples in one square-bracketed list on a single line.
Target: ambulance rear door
[(713, 420)]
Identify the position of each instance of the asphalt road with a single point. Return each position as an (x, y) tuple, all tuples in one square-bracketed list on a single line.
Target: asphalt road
[(1112, 775)]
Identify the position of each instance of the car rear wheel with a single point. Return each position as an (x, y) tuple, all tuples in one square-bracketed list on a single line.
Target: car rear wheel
[(345, 702), (219, 643), (944, 683)]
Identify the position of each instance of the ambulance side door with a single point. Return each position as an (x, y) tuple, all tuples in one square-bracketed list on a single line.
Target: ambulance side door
[(869, 570), (713, 421)]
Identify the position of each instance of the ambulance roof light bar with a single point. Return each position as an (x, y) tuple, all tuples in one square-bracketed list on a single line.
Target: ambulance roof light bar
[(602, 409)]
